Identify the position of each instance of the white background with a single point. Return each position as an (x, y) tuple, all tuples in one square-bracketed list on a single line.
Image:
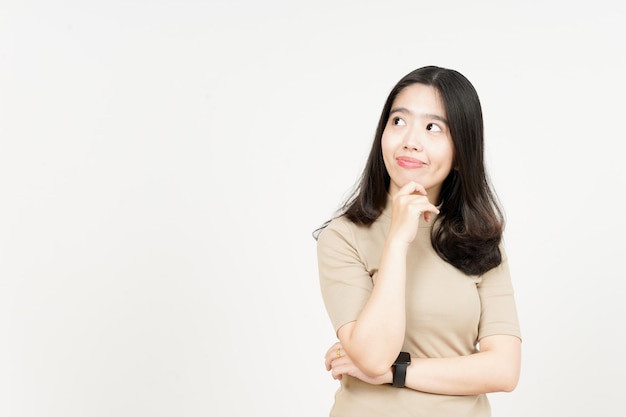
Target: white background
[(163, 164)]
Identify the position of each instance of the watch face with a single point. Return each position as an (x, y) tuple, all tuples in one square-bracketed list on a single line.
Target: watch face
[(404, 357)]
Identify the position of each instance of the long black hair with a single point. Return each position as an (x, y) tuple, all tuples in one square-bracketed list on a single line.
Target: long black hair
[(469, 227)]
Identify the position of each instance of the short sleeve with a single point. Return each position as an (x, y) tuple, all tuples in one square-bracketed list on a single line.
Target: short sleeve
[(498, 308), (345, 281)]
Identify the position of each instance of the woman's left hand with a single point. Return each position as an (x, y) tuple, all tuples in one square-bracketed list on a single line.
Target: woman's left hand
[(339, 363)]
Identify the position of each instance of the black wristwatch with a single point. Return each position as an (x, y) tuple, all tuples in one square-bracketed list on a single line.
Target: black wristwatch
[(399, 369)]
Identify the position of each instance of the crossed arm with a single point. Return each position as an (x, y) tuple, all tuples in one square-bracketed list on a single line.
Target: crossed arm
[(495, 368)]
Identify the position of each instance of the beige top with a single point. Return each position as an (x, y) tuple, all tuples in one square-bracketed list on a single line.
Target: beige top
[(447, 313)]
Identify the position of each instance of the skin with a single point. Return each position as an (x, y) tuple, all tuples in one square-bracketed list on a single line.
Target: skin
[(416, 142), (418, 153)]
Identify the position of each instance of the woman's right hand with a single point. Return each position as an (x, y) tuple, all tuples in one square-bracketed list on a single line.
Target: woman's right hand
[(408, 205)]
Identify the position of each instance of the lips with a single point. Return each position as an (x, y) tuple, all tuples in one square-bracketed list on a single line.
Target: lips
[(409, 163)]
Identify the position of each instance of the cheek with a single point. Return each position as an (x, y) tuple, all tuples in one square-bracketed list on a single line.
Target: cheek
[(387, 147), (445, 156)]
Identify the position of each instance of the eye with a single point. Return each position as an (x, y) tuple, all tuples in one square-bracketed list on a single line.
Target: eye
[(433, 127), (398, 121)]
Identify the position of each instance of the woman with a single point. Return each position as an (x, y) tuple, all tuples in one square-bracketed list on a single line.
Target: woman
[(413, 271)]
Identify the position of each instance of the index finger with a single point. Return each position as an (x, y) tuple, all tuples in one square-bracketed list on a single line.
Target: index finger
[(412, 187), (331, 354)]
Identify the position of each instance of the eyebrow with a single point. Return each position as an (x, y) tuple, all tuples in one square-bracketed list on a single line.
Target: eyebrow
[(404, 110)]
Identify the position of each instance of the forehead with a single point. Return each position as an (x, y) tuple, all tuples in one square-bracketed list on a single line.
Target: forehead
[(420, 98)]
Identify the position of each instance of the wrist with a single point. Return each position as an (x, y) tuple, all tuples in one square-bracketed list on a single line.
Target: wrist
[(397, 244), (400, 368)]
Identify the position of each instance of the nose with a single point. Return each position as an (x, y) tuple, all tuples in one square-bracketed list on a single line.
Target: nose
[(413, 141)]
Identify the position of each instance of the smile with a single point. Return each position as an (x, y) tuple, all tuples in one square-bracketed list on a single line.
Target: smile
[(409, 163)]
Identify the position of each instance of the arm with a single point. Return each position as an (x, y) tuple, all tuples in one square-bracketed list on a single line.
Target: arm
[(375, 338), (495, 368)]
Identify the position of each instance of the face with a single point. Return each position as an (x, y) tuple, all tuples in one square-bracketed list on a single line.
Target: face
[(416, 142)]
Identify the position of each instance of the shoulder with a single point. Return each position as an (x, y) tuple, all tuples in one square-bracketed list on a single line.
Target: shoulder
[(338, 229), (498, 275), (343, 236), (347, 229)]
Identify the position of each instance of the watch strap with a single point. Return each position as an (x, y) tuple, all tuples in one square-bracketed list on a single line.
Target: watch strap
[(399, 369)]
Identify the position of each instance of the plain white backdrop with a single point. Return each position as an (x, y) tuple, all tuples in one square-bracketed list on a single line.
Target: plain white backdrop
[(163, 164)]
